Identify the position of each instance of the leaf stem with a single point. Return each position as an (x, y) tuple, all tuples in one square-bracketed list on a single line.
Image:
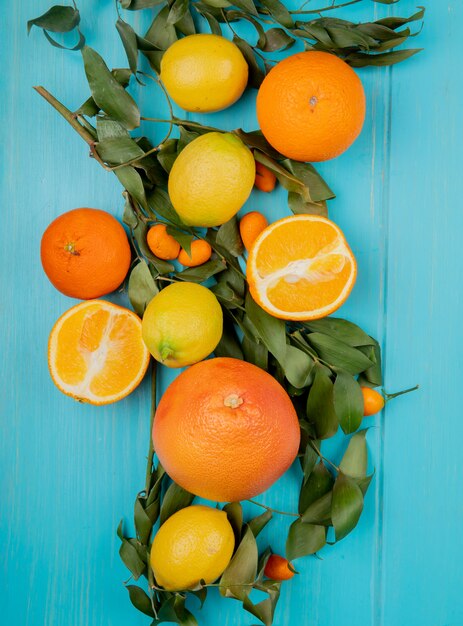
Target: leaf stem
[(269, 508), (391, 396), (71, 118), (317, 450)]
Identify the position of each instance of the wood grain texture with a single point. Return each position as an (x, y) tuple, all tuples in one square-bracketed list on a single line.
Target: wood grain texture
[(69, 472)]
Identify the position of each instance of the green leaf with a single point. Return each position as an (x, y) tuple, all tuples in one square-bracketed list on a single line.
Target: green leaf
[(130, 556), (287, 179), (338, 354), (143, 524), (278, 10), (132, 182), (276, 39), (89, 108), (161, 33), (340, 329), (228, 236), (309, 460), (182, 238), (108, 94), (202, 272), (304, 539), (140, 600), (355, 460), (320, 406), (234, 512), (258, 523), (159, 201), (299, 206), (256, 75), (175, 498), (229, 345), (271, 330), (319, 512), (58, 19), (247, 5), (372, 376), (396, 22), (177, 11), (358, 59), (264, 610), (213, 23), (319, 482), (255, 353), (129, 41), (118, 150), (298, 367), (185, 24), (255, 139), (242, 569), (173, 610), (346, 505), (142, 288), (305, 172), (348, 401)]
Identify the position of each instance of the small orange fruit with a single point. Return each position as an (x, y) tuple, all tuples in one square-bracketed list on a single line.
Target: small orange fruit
[(200, 252), (225, 430), (373, 401), (277, 568), (265, 178), (301, 268), (251, 225), (311, 106), (96, 353), (85, 253), (161, 243)]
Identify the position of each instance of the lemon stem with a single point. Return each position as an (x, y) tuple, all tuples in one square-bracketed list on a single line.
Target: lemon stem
[(166, 352)]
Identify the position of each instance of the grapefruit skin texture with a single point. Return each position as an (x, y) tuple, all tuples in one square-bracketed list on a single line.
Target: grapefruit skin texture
[(311, 106), (225, 430), (85, 253)]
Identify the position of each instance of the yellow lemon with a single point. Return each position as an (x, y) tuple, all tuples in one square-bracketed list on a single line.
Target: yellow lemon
[(211, 179), (195, 544), (204, 72), (182, 324)]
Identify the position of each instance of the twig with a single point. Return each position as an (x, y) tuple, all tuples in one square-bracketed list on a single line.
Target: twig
[(71, 118), (317, 450), (324, 9)]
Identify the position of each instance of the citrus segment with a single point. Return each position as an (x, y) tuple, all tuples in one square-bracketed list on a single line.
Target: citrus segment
[(301, 268), (96, 353)]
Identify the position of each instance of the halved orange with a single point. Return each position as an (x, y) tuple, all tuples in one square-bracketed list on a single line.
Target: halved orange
[(96, 353), (301, 268)]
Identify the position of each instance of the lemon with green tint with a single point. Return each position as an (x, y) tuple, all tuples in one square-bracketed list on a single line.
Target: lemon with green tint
[(182, 324), (194, 544), (211, 179)]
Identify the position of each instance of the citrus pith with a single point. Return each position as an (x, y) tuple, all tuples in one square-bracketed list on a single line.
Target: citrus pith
[(301, 268), (96, 353)]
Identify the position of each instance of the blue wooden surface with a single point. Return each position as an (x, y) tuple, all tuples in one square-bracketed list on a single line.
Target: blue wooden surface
[(69, 472)]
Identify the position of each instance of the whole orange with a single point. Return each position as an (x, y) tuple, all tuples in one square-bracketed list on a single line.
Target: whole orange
[(311, 106), (225, 430), (85, 253)]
